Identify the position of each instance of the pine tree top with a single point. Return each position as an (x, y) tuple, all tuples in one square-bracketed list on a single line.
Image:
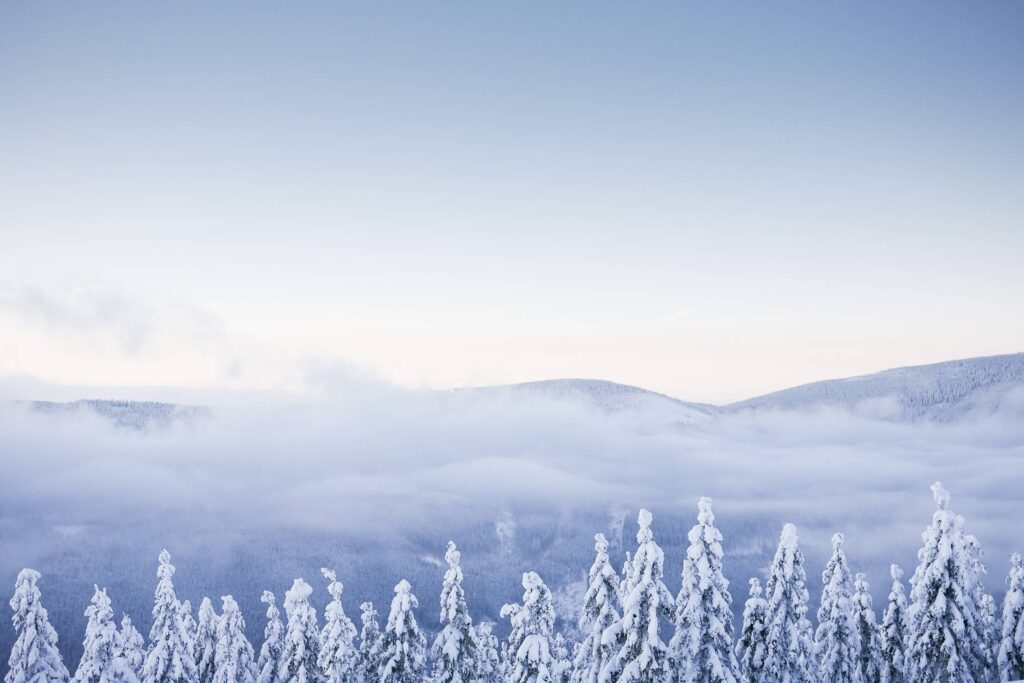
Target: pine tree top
[(165, 570), (270, 601), (704, 514), (941, 495), (228, 605), (895, 572), (452, 555), (334, 587), (644, 519), (297, 594), (788, 540)]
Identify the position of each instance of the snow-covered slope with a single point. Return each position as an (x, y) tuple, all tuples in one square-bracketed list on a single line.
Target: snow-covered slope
[(136, 415), (942, 392), (647, 409)]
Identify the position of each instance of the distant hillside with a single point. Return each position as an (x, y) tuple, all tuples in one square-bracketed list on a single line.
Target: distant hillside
[(650, 409), (941, 392), (135, 415)]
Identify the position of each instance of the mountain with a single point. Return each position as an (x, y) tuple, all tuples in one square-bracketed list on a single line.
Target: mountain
[(646, 408), (133, 415), (940, 392)]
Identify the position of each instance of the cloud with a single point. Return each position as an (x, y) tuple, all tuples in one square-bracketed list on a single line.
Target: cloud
[(373, 449), (97, 314), (373, 479)]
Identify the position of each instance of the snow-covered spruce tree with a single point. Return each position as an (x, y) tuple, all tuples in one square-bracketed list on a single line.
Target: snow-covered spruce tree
[(641, 658), (701, 650), (455, 648), (131, 646), (870, 654), (1011, 644), (893, 633), (943, 635), (600, 610), (169, 658), (990, 630), (34, 657), (273, 642), (983, 605), (561, 660), (836, 640), (301, 639), (402, 647), (530, 642), (628, 578), (102, 661), (789, 658), (752, 646), (510, 646), (338, 656), (190, 626), (369, 644), (235, 661), (488, 660), (206, 641)]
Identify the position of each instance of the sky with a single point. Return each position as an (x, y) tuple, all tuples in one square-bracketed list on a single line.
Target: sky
[(709, 200)]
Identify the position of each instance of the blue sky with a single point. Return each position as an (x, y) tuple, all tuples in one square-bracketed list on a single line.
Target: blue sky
[(711, 200)]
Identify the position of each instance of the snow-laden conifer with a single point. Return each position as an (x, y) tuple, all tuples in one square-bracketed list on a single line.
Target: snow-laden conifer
[(1011, 643), (102, 661), (234, 659), (943, 634), (870, 654), (600, 611), (990, 635), (701, 650), (301, 639), (273, 642), (131, 646), (561, 659), (369, 643), (510, 646), (206, 641), (790, 656), (642, 654), (530, 642), (191, 627), (752, 646), (836, 640), (403, 647), (893, 632), (983, 606), (455, 648), (628, 579), (488, 658), (169, 658), (34, 657), (338, 657)]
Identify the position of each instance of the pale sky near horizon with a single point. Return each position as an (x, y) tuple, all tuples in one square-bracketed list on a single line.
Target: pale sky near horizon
[(712, 200)]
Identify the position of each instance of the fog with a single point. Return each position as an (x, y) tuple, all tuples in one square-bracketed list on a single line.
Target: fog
[(373, 480)]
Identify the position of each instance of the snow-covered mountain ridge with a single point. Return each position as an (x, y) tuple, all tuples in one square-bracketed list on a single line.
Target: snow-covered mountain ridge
[(940, 392), (134, 415)]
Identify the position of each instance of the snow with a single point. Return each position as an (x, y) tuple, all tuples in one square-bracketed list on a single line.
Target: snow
[(942, 392)]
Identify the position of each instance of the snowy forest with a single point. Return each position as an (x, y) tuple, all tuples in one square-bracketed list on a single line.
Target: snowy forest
[(945, 628)]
